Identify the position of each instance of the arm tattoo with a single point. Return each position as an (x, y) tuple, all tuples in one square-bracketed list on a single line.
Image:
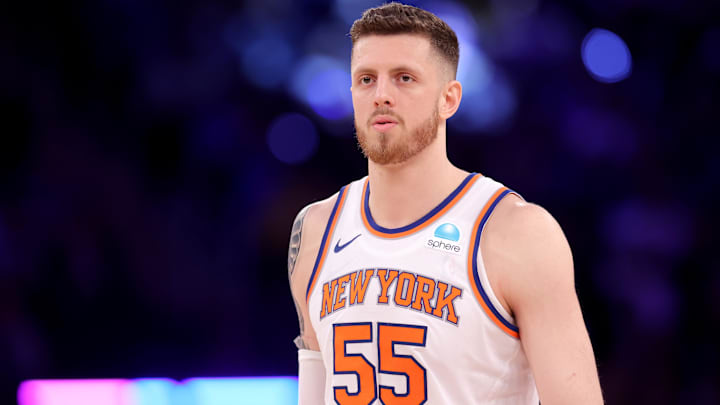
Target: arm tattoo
[(295, 237), (293, 251), (299, 341)]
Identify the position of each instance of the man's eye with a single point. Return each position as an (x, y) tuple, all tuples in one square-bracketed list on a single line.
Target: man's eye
[(406, 78), (365, 80)]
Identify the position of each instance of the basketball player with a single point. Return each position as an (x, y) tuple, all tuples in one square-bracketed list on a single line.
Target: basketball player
[(423, 283)]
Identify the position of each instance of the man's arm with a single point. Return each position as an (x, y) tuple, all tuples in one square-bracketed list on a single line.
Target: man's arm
[(305, 239), (304, 243), (530, 267), (293, 252)]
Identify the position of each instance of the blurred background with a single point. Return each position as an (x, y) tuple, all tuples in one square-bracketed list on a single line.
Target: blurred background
[(154, 154)]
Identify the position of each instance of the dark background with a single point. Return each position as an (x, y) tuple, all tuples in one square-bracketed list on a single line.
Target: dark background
[(146, 203)]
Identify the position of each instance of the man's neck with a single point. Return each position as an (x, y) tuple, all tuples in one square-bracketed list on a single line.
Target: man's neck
[(401, 194)]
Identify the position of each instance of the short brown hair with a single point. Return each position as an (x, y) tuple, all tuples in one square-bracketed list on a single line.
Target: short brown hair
[(397, 18)]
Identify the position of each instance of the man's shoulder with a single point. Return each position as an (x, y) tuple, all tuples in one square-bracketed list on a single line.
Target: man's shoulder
[(316, 215), (524, 250), (515, 216), (312, 220)]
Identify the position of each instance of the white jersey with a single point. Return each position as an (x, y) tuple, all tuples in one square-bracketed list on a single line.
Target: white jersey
[(406, 316)]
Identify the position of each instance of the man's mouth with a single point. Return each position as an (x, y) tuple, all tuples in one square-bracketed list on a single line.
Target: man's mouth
[(383, 124)]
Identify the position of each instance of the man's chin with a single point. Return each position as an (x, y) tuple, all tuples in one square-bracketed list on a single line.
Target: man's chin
[(385, 157)]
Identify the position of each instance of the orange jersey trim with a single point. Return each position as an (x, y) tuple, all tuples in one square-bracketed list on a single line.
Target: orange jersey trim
[(473, 276), (327, 237)]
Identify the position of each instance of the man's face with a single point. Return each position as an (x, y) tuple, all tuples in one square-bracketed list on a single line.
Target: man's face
[(396, 83)]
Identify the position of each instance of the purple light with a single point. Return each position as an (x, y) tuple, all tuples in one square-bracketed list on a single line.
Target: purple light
[(75, 392), (709, 45), (595, 134), (4, 249), (637, 225), (292, 138), (161, 391)]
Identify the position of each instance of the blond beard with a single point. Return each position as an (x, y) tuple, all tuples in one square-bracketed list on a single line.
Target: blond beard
[(384, 151)]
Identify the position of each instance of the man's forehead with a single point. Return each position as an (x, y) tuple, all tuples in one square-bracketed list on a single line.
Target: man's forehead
[(384, 50)]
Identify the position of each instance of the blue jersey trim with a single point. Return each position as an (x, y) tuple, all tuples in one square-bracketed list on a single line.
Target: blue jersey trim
[(446, 201), (474, 263), (321, 252)]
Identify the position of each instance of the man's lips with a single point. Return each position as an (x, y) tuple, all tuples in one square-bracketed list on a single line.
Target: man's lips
[(383, 123), (384, 127)]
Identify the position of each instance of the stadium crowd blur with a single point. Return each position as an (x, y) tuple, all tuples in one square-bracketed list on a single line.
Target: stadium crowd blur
[(154, 154)]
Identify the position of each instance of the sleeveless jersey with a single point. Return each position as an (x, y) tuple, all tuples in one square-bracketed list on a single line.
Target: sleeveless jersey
[(406, 316)]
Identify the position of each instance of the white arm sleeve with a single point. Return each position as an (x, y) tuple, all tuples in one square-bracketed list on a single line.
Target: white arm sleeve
[(311, 378)]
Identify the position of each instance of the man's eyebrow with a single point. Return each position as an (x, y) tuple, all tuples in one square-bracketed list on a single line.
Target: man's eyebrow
[(401, 68)]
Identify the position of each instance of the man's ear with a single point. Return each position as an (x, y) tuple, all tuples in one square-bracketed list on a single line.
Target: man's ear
[(450, 99)]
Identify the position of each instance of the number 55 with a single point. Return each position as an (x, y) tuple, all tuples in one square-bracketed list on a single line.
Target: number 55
[(388, 335)]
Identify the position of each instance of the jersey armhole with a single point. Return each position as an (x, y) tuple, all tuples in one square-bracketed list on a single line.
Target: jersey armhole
[(476, 269), (327, 237)]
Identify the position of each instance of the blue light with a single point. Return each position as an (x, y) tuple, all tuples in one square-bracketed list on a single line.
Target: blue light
[(262, 48), (292, 138), (246, 391), (350, 10), (152, 391), (488, 100), (327, 93), (457, 16), (323, 83), (606, 57), (474, 69), (488, 110), (266, 60)]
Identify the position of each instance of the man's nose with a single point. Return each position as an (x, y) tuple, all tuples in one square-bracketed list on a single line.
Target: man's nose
[(383, 94)]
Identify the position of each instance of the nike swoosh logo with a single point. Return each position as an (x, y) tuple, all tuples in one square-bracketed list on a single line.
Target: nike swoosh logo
[(339, 247)]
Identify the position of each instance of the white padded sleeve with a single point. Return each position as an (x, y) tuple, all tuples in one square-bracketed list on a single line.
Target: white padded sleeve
[(311, 378)]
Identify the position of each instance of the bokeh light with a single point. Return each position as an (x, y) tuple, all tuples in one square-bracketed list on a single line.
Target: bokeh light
[(323, 83), (292, 138), (488, 99), (457, 16), (330, 39), (267, 60), (606, 57), (637, 225), (489, 110), (475, 70), (350, 10), (264, 52), (598, 134)]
